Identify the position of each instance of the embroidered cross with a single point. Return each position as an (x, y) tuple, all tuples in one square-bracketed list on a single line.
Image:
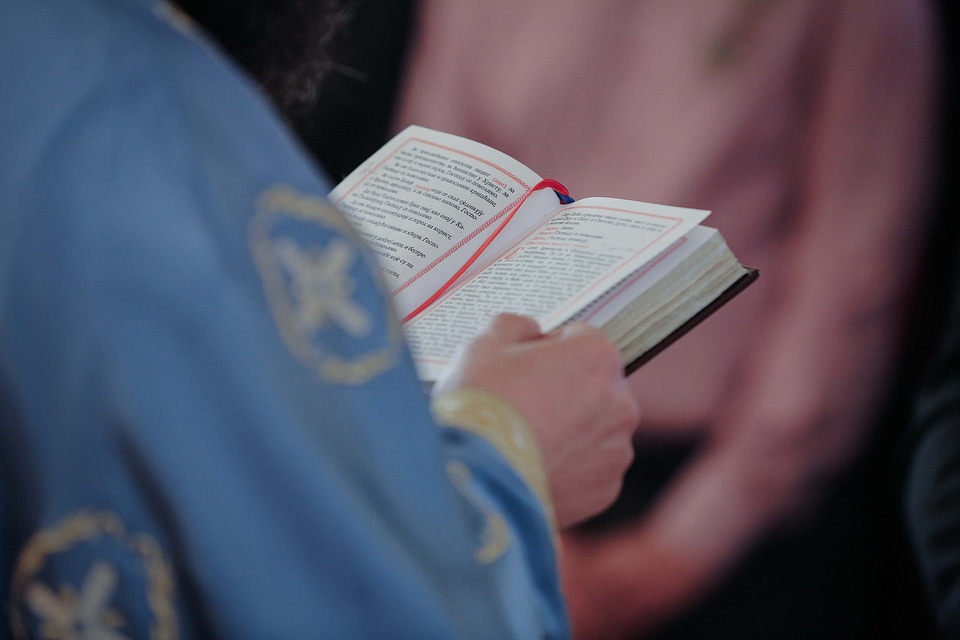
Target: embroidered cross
[(321, 288), (79, 616)]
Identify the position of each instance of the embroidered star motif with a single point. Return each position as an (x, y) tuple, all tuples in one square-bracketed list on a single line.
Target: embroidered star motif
[(83, 616), (321, 287)]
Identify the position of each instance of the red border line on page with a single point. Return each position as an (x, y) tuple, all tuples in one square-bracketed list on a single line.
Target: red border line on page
[(465, 239)]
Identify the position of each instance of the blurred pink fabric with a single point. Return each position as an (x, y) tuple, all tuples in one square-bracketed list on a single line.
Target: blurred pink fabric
[(804, 125), (808, 141)]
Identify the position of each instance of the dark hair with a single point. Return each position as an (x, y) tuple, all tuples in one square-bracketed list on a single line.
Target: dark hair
[(332, 68), (283, 44)]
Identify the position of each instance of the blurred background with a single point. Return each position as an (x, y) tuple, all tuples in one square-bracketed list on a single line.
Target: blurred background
[(767, 497)]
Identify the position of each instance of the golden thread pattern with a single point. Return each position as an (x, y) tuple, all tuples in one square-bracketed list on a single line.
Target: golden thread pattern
[(502, 426), (86, 526), (281, 201), (496, 535)]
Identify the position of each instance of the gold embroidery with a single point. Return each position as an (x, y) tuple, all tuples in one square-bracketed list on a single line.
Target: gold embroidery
[(84, 615), (496, 534), (359, 371), (286, 199), (320, 290), (502, 426), (79, 616), (162, 588)]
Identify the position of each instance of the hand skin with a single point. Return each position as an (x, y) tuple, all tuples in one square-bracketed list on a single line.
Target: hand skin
[(790, 425), (626, 585), (797, 408), (570, 388)]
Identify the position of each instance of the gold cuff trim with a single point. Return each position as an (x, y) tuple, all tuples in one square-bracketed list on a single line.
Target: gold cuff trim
[(502, 426), (495, 537)]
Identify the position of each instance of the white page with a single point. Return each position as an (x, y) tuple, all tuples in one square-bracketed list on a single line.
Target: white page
[(449, 193), (625, 292), (551, 275)]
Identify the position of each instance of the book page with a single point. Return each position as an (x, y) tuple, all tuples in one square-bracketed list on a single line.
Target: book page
[(613, 301), (552, 274), (427, 200)]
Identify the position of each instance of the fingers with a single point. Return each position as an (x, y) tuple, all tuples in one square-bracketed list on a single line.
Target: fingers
[(509, 327), (569, 387), (598, 350)]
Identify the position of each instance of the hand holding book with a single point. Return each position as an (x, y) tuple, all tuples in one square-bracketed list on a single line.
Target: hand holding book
[(434, 205)]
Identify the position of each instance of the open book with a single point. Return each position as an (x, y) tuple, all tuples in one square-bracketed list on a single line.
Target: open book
[(464, 232)]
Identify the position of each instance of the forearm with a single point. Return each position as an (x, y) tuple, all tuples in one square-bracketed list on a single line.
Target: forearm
[(500, 424)]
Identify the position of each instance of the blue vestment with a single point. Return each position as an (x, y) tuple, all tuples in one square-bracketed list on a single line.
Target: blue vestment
[(209, 423)]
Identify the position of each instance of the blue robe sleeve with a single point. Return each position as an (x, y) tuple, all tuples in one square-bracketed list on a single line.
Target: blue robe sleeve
[(214, 427)]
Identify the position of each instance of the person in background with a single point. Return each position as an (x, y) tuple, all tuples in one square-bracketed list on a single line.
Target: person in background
[(210, 426), (929, 490), (806, 126)]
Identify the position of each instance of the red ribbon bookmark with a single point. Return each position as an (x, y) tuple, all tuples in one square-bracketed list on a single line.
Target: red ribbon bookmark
[(543, 184)]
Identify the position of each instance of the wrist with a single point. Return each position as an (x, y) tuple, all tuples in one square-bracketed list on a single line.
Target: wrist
[(504, 427)]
